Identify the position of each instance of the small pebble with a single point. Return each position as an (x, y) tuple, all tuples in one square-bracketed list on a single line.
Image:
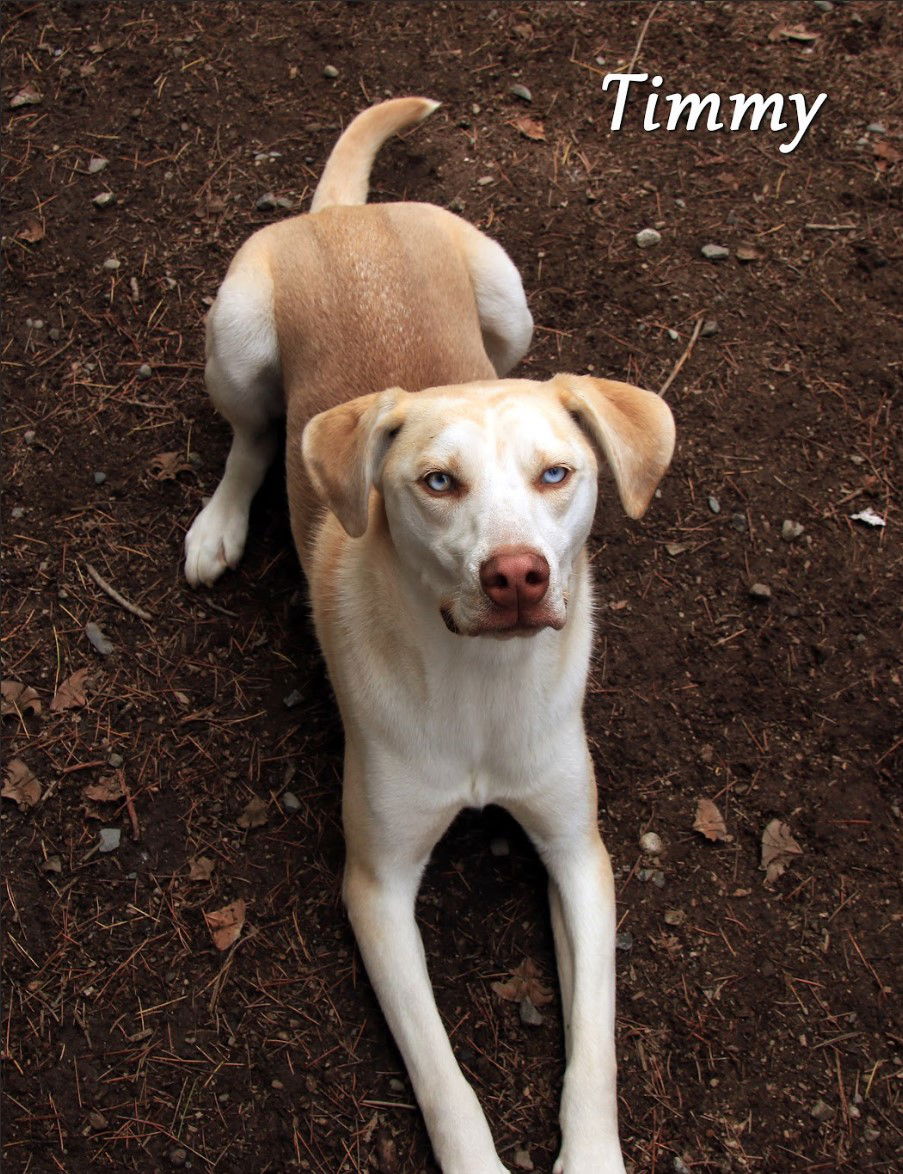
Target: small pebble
[(54, 334), (651, 843), (144, 371), (876, 128), (523, 1161), (680, 1166), (178, 1156), (648, 238), (290, 700), (111, 264), (761, 592), (790, 530), (108, 839), (290, 802), (266, 203), (821, 1111), (96, 164), (675, 917), (97, 1120), (330, 71), (715, 252), (521, 92), (29, 435), (624, 940), (658, 878), (104, 200), (500, 847), (709, 327), (17, 512), (99, 477), (396, 1085), (738, 522), (115, 760), (484, 180), (529, 1016), (714, 504)]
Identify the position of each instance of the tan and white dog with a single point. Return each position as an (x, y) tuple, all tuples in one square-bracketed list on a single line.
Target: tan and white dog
[(442, 534)]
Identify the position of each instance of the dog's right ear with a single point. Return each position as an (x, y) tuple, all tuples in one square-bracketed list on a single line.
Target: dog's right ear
[(343, 450)]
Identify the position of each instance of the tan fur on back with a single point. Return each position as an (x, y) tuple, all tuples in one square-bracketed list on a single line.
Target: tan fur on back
[(393, 304)]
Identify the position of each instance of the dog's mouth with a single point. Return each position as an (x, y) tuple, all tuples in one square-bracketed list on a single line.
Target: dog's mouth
[(505, 625)]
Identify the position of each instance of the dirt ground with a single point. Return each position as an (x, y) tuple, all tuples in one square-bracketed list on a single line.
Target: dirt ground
[(759, 1023)]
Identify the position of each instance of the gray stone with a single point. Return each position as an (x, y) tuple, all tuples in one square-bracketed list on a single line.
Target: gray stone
[(824, 5), (104, 200), (658, 878), (96, 164), (624, 940), (714, 504), (28, 436), (529, 1015), (144, 371), (651, 843), (715, 252), (760, 592), (108, 839), (266, 203), (290, 802), (790, 530), (876, 128), (99, 477), (521, 92), (290, 700), (738, 522), (17, 512), (330, 71), (648, 238), (178, 1156), (709, 327), (112, 264), (396, 1085), (115, 760), (821, 1111)]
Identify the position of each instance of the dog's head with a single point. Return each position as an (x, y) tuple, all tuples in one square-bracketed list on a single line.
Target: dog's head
[(489, 489)]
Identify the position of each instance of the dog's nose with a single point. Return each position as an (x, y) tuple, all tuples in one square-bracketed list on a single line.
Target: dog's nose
[(515, 578)]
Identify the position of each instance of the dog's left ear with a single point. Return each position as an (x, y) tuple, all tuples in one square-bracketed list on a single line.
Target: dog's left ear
[(344, 448), (633, 429)]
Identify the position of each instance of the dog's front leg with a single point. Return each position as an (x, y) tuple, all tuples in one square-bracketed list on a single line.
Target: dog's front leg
[(388, 845), (562, 824)]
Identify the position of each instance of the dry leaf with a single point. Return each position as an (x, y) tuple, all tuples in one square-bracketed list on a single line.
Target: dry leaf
[(255, 814), (71, 693), (885, 154), (530, 128), (709, 821), (747, 252), (200, 868), (31, 231), (20, 785), (27, 96), (226, 924), (778, 849), (18, 698), (166, 465), (524, 984), (104, 791), (792, 32)]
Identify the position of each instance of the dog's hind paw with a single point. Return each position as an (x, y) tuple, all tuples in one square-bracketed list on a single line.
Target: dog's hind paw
[(215, 542)]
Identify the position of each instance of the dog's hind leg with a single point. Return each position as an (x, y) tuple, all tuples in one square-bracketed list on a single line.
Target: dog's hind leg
[(505, 320), (243, 380)]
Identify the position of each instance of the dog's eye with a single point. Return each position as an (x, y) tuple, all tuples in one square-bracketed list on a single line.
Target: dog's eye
[(439, 482), (554, 475)]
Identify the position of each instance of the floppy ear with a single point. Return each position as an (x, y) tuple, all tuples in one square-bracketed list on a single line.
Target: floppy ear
[(634, 430), (343, 449)]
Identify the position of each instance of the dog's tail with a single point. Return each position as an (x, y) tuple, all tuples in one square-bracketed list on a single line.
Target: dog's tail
[(347, 173)]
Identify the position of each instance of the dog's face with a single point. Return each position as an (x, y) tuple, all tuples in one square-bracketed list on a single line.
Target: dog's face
[(489, 489)]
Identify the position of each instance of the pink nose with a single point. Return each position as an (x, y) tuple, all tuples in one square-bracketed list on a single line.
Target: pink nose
[(515, 578)]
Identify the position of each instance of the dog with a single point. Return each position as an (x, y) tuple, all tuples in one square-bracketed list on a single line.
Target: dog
[(440, 513)]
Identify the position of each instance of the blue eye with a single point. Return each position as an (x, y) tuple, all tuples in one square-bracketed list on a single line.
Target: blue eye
[(554, 475), (439, 482)]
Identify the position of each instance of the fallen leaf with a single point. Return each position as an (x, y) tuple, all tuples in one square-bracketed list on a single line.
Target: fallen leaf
[(71, 693), (530, 128), (200, 868), (709, 821), (16, 698), (226, 924), (31, 231), (886, 154), (524, 984), (778, 849), (747, 252), (20, 785), (792, 32), (106, 790), (255, 814), (166, 465), (27, 96)]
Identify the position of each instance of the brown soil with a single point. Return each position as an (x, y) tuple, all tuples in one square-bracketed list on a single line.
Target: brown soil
[(132, 1043)]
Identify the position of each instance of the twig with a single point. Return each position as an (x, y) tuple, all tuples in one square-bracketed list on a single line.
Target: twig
[(683, 358), (833, 227), (130, 806), (639, 44), (116, 597)]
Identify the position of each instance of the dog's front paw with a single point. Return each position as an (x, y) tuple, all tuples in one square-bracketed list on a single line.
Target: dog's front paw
[(595, 1157), (215, 542)]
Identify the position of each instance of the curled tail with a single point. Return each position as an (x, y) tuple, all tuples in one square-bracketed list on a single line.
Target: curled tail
[(347, 172)]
